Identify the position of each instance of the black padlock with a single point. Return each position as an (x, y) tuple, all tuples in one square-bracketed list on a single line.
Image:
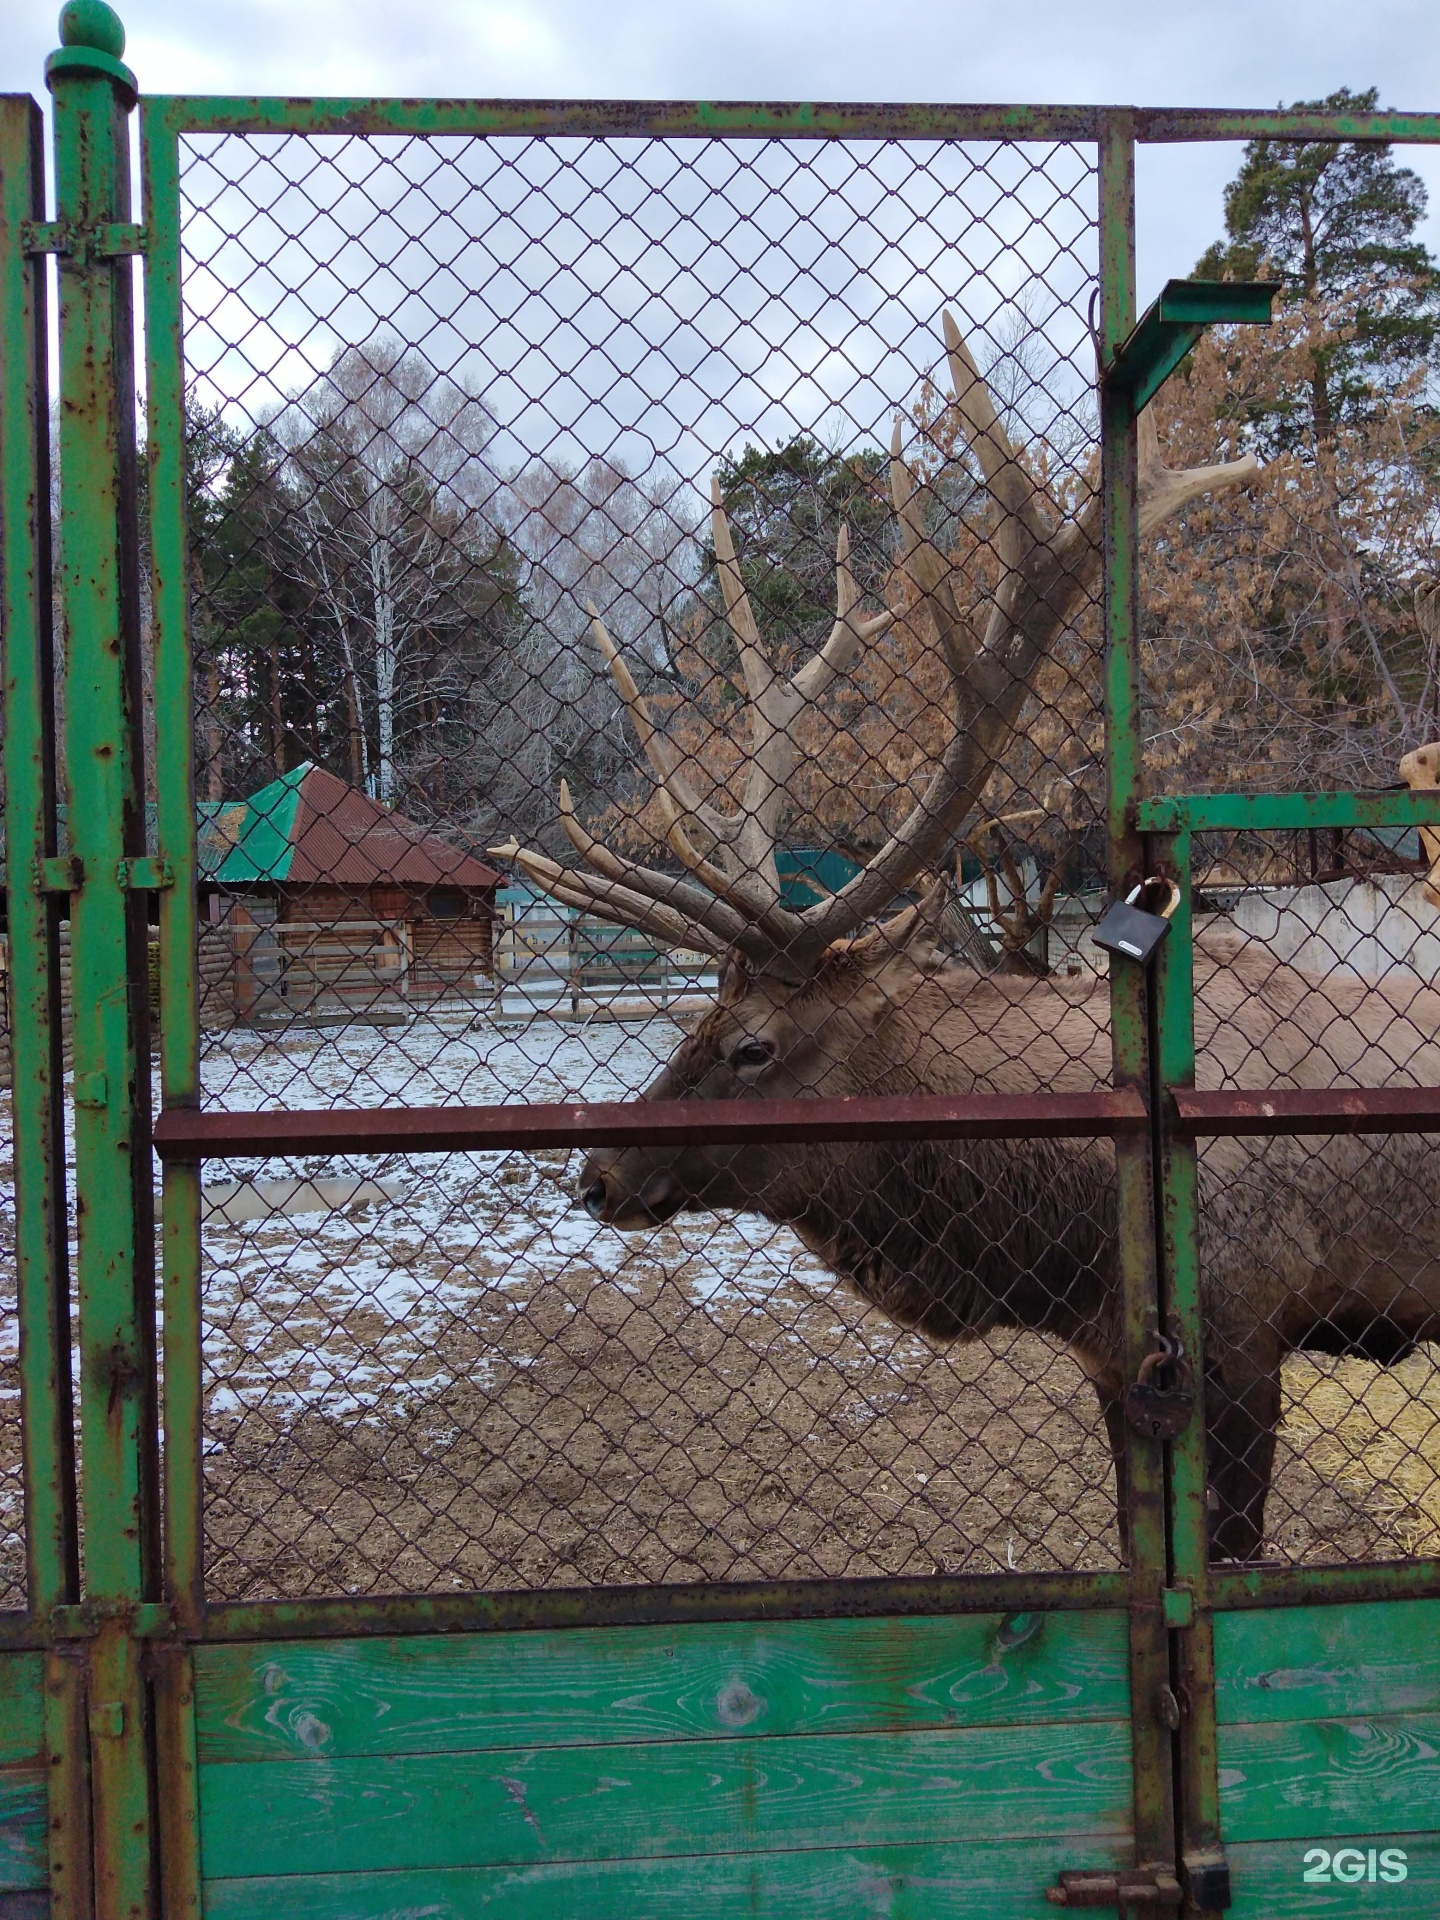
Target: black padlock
[(1130, 931), (1162, 1412)]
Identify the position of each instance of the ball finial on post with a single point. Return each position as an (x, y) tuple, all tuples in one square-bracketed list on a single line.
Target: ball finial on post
[(92, 24)]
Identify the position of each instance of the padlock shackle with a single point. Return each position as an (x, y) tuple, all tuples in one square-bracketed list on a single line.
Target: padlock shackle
[(1167, 912), (1168, 1353)]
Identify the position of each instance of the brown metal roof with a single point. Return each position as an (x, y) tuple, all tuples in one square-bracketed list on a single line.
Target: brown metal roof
[(342, 837)]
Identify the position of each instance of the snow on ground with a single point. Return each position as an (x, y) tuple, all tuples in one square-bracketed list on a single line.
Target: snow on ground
[(460, 1226), (281, 1289)]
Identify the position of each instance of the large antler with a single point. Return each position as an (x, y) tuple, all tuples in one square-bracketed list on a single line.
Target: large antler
[(731, 897)]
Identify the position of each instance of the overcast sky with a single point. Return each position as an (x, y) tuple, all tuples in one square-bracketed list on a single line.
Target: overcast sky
[(1205, 53), (1145, 52)]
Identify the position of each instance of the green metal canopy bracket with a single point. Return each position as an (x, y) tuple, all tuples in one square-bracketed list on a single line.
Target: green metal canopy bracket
[(1167, 331)]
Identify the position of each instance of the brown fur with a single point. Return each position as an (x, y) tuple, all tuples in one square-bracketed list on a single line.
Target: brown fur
[(1325, 1244)]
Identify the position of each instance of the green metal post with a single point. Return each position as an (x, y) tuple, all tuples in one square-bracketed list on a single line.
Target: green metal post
[(37, 1062), (176, 1766), (34, 916), (175, 825), (1149, 1651), (1194, 1661), (67, 1758), (99, 575)]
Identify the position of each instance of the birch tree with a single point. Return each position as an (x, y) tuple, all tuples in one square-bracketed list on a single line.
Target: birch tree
[(386, 463)]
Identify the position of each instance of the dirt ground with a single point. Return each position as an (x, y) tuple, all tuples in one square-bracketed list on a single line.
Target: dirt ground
[(640, 1435), (653, 1443), (610, 1412)]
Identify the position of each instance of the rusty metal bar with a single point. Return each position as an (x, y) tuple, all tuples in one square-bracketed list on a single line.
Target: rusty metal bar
[(1263, 1585), (660, 1606), (1286, 812), (1272, 1586), (1206, 1871), (1168, 124), (172, 1673), (100, 586), (182, 1133), (176, 829), (67, 1760), (1143, 1491), (1306, 1110)]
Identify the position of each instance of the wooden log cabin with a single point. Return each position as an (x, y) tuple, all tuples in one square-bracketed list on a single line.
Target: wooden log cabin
[(340, 909)]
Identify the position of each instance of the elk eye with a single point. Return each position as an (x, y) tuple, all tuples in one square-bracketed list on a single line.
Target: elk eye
[(752, 1053)]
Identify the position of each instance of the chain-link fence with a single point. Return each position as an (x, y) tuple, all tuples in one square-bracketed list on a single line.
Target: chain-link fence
[(12, 1464), (1315, 958), (12, 1437), (450, 401), (628, 576)]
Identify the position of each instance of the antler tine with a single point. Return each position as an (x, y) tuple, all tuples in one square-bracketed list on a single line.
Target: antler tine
[(848, 634), (608, 900), (748, 843), (1166, 490), (754, 661), (986, 689), (731, 896), (710, 908), (923, 564), (1041, 588), (1006, 480), (664, 761), (727, 876)]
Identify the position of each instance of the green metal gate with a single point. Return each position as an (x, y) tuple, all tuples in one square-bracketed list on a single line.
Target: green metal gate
[(857, 1736)]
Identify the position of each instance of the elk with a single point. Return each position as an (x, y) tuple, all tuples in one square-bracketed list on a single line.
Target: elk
[(1326, 1245)]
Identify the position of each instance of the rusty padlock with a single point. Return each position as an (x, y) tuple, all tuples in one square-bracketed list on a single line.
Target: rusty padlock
[(1162, 1412)]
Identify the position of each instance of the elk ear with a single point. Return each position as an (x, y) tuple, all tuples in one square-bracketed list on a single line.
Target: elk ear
[(735, 981), (915, 932)]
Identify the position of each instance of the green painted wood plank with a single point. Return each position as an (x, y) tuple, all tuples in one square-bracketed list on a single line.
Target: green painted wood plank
[(24, 1861), (578, 1687), (1309, 1663), (1337, 1776), (594, 1803), (1268, 1878), (22, 1707), (959, 1882)]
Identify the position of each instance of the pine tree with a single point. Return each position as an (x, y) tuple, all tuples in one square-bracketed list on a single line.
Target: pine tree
[(785, 509), (1336, 222)]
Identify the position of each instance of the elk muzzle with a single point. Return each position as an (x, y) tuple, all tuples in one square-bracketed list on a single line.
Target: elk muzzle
[(628, 1190)]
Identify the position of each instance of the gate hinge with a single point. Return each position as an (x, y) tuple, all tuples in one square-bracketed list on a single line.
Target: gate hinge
[(106, 240), (59, 873), (1144, 1890), (141, 873)]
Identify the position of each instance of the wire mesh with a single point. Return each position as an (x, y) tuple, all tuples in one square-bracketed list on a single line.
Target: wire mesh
[(454, 406), (1315, 958)]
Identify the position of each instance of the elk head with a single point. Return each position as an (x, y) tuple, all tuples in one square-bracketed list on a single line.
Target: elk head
[(806, 1007)]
